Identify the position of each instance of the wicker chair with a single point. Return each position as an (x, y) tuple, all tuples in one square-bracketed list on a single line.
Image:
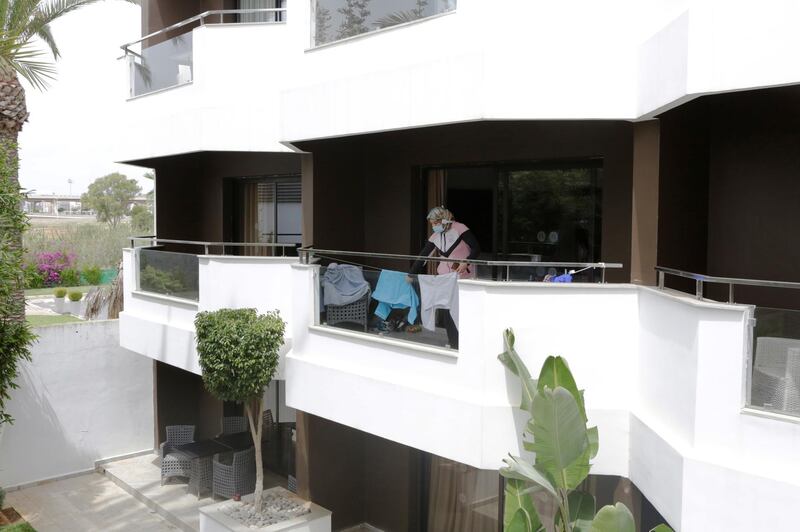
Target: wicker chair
[(174, 464), (355, 312), (238, 477), (234, 424)]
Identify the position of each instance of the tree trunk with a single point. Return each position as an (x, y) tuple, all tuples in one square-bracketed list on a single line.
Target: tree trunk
[(13, 114), (256, 426)]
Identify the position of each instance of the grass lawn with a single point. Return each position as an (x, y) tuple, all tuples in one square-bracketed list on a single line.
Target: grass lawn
[(49, 291), (19, 527), (39, 320)]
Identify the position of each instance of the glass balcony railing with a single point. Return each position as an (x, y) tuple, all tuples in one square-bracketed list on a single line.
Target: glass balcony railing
[(168, 273), (175, 271), (157, 61), (372, 293), (774, 380), (333, 20), (161, 66)]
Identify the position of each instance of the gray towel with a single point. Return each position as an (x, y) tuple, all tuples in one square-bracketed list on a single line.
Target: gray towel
[(343, 284)]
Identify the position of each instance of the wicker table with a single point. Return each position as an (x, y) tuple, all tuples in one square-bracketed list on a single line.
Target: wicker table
[(202, 452)]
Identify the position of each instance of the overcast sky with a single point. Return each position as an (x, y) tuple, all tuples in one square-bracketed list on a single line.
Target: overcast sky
[(72, 125)]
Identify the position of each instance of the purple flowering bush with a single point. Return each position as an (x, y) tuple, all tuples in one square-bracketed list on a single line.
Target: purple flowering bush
[(51, 264)]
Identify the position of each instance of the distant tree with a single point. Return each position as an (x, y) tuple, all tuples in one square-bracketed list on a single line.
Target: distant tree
[(322, 25), (355, 15), (110, 197), (141, 220)]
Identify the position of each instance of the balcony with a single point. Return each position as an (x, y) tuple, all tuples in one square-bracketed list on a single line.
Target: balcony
[(164, 290), (207, 83), (669, 376)]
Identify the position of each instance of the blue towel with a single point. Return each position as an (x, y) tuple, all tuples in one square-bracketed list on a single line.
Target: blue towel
[(566, 278), (393, 291)]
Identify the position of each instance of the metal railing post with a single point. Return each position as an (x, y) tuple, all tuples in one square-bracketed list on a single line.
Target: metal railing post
[(603, 274), (730, 292), (205, 247), (699, 289), (660, 280)]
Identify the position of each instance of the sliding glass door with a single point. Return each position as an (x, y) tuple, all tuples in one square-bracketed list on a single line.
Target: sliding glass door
[(267, 210), (537, 212)]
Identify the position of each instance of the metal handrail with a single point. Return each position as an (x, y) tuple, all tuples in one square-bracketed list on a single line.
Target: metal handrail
[(201, 18), (206, 245), (700, 279), (306, 254)]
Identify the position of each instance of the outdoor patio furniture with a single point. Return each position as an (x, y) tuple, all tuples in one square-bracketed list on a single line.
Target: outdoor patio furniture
[(355, 312), (234, 424), (201, 452), (238, 477), (174, 464)]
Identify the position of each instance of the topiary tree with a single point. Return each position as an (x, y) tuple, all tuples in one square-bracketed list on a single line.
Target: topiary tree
[(238, 351), (557, 432)]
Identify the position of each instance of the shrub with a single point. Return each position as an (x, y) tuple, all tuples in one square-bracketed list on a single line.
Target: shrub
[(52, 264), (92, 275), (70, 277), (2, 498), (94, 244), (33, 277), (75, 295), (60, 292)]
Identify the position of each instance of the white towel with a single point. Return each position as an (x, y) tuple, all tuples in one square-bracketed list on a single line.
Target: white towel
[(438, 291)]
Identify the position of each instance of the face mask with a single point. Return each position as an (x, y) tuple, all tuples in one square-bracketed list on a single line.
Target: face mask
[(438, 228)]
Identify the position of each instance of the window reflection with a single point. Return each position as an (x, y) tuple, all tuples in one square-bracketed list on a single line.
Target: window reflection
[(338, 19)]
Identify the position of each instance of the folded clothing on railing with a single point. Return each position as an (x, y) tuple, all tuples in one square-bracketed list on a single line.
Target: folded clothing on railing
[(393, 291), (343, 284), (438, 291)]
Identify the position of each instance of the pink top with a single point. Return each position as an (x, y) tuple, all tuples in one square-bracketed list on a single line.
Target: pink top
[(450, 245)]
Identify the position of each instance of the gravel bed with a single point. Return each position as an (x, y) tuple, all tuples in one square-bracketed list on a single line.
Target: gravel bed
[(276, 508)]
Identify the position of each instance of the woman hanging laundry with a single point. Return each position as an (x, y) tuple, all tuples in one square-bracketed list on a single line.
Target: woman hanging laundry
[(452, 240)]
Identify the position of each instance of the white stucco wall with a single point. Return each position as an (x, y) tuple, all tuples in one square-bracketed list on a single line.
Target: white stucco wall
[(82, 398), (261, 87)]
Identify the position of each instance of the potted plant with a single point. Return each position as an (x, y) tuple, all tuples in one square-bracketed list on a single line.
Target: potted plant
[(59, 294), (74, 305)]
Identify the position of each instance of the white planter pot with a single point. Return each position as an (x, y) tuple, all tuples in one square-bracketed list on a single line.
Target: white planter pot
[(74, 307), (60, 305), (212, 519)]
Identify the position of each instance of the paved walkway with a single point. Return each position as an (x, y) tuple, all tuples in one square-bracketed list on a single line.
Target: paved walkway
[(40, 306), (85, 503)]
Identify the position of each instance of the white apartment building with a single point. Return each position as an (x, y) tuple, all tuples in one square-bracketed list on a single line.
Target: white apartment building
[(615, 137)]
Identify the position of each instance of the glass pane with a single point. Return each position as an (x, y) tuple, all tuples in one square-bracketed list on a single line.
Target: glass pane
[(553, 215), (462, 498), (775, 382), (163, 65), (339, 19), (273, 16), (168, 273), (290, 212), (387, 303)]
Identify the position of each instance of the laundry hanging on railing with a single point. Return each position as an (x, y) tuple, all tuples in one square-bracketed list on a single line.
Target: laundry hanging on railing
[(438, 291), (343, 284), (394, 291)]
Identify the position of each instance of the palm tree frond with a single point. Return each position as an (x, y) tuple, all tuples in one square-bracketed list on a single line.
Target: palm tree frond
[(20, 15), (4, 4), (24, 60), (46, 36)]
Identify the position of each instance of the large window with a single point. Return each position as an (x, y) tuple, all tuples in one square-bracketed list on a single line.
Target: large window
[(338, 19), (538, 212)]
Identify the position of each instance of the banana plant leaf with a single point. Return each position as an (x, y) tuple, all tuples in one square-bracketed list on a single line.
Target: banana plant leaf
[(559, 433), (615, 518), (520, 514), (515, 365)]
